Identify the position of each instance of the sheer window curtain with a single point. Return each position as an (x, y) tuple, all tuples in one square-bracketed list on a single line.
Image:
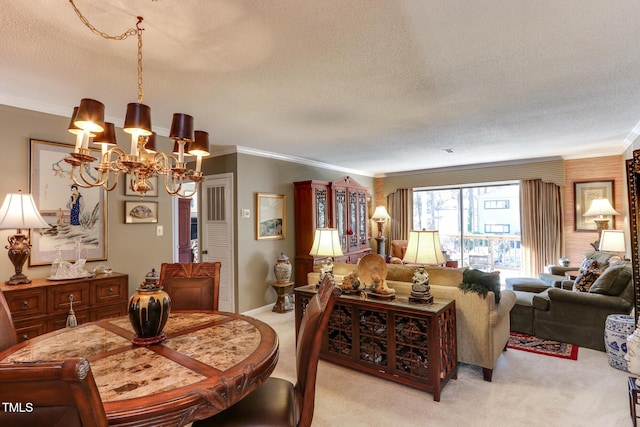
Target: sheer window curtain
[(541, 224), (400, 205)]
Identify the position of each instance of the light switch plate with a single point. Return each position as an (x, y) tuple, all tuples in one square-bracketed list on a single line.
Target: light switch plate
[(246, 213), (159, 230)]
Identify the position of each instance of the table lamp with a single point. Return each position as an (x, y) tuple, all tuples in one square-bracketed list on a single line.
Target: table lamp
[(598, 209), (380, 216), (423, 248), (613, 241), (19, 211), (326, 243)]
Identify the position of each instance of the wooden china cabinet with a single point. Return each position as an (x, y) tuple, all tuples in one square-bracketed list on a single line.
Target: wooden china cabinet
[(340, 204)]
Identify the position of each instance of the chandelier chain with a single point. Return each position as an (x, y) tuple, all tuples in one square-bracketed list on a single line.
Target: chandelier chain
[(94, 30), (130, 32)]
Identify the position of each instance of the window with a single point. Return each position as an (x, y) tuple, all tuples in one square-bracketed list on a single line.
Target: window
[(496, 228), (480, 222), (496, 204)]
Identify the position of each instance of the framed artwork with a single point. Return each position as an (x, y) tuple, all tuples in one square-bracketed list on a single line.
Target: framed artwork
[(153, 191), (585, 193), (140, 212), (77, 216), (271, 217)]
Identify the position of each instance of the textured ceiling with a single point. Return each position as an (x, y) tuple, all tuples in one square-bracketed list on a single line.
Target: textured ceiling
[(372, 86)]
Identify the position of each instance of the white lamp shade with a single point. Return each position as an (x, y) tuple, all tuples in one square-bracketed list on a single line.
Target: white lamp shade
[(326, 242), (600, 207), (423, 247), (380, 214), (19, 211), (612, 241)]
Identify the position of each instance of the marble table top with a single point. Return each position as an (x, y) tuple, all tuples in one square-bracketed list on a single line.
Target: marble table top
[(208, 362)]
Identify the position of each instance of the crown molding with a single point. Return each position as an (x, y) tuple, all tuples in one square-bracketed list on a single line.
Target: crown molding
[(299, 160)]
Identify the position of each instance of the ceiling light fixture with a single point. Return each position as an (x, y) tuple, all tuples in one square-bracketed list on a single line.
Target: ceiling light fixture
[(142, 160)]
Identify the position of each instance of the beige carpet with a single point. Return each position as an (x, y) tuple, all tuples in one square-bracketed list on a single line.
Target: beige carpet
[(527, 390)]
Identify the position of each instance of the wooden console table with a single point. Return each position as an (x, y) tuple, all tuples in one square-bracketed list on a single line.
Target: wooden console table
[(43, 305), (412, 344)]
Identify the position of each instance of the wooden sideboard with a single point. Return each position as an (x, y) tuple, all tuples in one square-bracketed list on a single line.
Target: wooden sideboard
[(43, 305), (412, 344), (340, 204)]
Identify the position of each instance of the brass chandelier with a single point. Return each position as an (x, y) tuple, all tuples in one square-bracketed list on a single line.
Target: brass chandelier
[(142, 161)]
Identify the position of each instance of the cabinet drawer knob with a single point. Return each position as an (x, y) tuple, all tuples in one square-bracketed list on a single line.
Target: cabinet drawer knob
[(25, 305), (25, 337), (110, 291)]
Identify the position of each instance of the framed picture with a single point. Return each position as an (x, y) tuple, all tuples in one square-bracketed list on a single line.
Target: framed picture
[(585, 193), (271, 219), (153, 191), (77, 216), (140, 212)]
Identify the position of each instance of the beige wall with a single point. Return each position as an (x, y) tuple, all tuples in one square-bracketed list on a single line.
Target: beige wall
[(255, 258), (133, 249), (595, 169)]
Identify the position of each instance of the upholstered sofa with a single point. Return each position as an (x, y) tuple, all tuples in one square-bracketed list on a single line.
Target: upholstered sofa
[(579, 317), (555, 275), (482, 326)]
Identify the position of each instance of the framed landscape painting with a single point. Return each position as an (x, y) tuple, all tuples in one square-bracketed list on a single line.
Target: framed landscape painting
[(77, 216), (585, 193), (271, 221)]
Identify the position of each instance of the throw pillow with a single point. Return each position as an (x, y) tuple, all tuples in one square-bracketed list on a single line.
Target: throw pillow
[(586, 278), (587, 263), (481, 282), (613, 281)]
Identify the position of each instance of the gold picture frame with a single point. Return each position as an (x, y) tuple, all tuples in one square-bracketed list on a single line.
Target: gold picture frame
[(52, 188), (271, 216), (585, 193), (140, 212)]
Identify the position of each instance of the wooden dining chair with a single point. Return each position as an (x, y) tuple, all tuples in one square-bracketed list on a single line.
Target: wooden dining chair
[(191, 286), (7, 329), (277, 402), (57, 393)]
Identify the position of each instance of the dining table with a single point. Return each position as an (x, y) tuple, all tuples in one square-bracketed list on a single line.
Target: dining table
[(209, 361)]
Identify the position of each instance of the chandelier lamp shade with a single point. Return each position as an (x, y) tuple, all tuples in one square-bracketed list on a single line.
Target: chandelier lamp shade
[(140, 159), (18, 211)]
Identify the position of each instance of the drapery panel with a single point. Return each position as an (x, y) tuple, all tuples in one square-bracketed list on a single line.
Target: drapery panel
[(541, 223), (400, 206)]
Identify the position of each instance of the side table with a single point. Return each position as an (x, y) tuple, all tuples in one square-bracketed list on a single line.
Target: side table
[(633, 400), (571, 275), (283, 303)]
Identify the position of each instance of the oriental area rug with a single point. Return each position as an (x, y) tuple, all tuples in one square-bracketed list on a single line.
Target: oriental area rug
[(543, 346)]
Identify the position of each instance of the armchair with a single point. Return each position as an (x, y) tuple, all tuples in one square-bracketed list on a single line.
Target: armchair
[(579, 317)]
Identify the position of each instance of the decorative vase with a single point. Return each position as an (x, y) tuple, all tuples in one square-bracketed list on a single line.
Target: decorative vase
[(149, 310), (617, 328), (282, 268)]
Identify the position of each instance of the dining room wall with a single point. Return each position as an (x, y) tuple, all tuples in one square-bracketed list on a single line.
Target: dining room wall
[(131, 248)]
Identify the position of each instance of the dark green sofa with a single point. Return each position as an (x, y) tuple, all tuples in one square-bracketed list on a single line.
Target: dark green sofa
[(555, 276), (579, 317)]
